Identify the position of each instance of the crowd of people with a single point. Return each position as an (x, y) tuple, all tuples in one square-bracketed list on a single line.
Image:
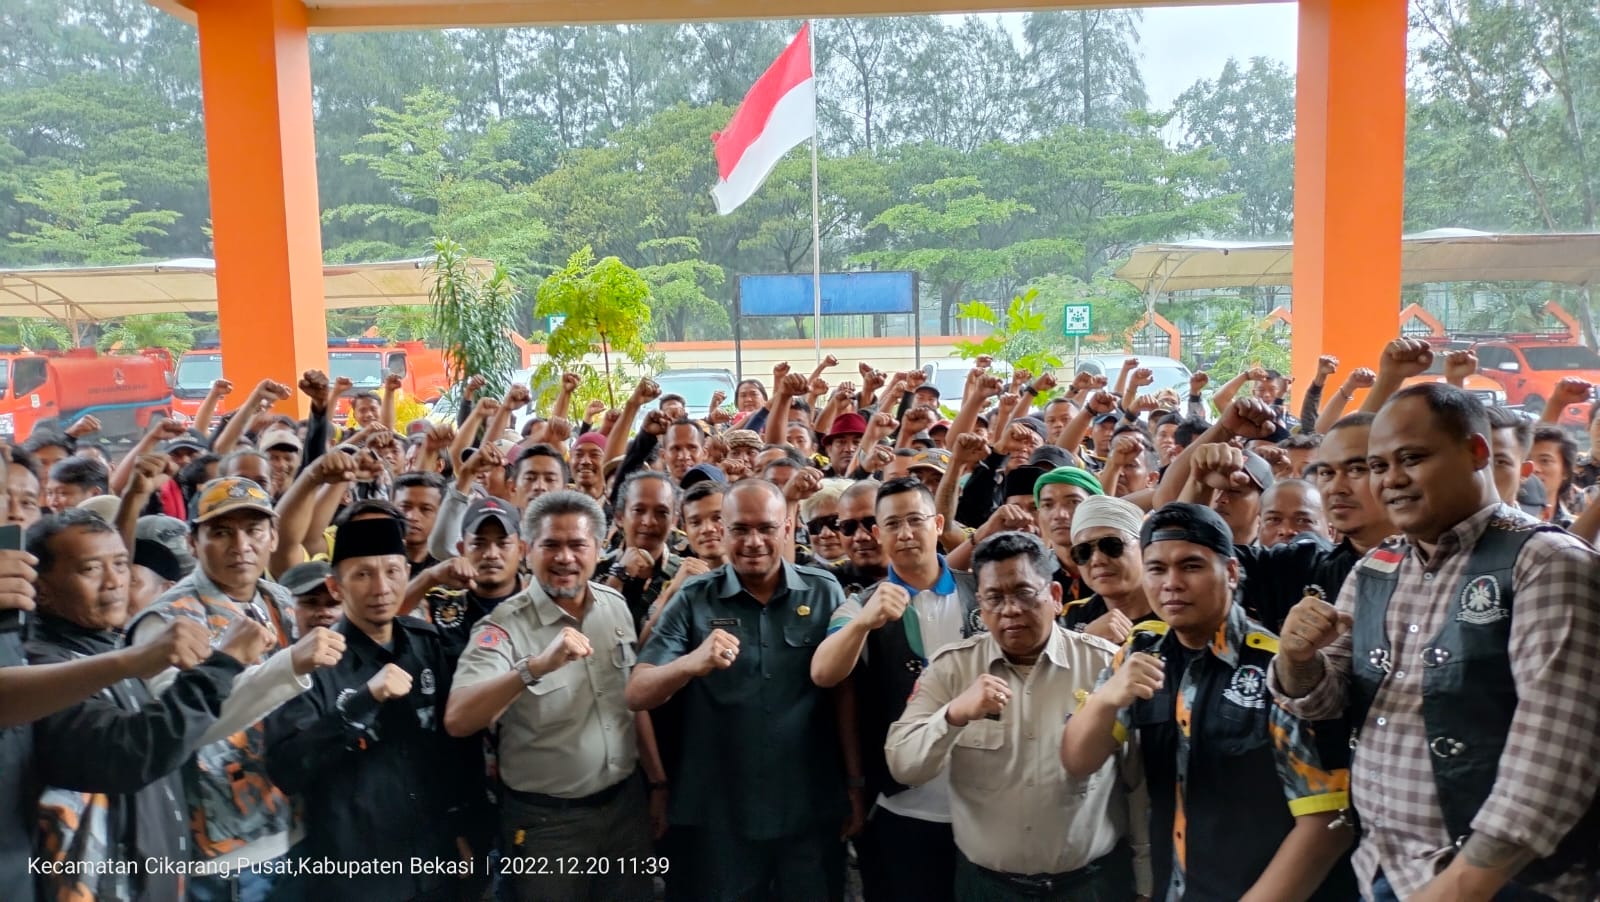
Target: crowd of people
[(1077, 642)]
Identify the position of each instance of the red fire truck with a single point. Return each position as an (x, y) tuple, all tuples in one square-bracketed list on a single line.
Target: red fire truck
[(54, 388)]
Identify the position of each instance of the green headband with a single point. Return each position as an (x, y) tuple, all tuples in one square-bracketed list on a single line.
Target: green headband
[(1081, 478)]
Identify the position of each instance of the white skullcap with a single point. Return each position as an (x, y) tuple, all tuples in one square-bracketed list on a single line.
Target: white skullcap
[(1103, 510)]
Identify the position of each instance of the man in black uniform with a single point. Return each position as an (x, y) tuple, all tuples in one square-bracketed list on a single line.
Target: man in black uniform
[(365, 748)]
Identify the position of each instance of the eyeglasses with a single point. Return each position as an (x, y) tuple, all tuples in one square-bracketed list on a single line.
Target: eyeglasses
[(1110, 546), (848, 528), (817, 525), (1025, 598), (913, 522)]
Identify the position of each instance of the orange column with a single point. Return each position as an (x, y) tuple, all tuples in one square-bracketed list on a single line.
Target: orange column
[(255, 70), (1350, 126)]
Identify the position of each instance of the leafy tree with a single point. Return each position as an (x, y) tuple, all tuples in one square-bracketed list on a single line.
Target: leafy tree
[(1115, 307), (678, 288), (1235, 341), (606, 307), (472, 313), (1020, 337), (941, 235), (1246, 119), (81, 219), (1084, 67), (173, 331), (404, 322), (35, 333)]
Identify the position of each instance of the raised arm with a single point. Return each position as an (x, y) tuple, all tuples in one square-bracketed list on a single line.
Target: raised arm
[(1402, 359), (220, 388)]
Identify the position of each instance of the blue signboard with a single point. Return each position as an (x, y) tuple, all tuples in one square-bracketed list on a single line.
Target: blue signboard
[(843, 294)]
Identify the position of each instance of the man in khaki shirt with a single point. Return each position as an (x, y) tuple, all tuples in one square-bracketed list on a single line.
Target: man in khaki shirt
[(991, 709), (547, 669)]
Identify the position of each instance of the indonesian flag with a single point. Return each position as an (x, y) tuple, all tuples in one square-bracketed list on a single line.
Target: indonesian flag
[(779, 112)]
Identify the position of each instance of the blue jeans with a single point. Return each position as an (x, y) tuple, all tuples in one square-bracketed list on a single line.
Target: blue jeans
[(248, 885), (1383, 892)]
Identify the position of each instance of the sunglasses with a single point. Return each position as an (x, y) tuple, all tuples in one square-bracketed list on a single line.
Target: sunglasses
[(1110, 546), (848, 528), (817, 525)]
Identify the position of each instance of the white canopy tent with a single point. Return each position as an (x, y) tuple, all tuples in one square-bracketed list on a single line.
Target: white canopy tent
[(80, 295), (1442, 255)]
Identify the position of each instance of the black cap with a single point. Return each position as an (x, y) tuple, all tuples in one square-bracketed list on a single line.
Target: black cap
[(374, 537), (1051, 457), (1021, 479), (484, 509), (303, 579), (1184, 522), (703, 473)]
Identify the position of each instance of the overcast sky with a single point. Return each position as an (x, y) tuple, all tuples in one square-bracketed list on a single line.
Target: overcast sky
[(1183, 44)]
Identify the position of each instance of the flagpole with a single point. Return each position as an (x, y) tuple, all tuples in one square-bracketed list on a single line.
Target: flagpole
[(816, 227)]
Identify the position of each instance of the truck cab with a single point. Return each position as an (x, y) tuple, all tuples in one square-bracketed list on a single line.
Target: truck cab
[(53, 389)]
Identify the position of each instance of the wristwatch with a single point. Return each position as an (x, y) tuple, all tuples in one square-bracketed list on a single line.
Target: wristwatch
[(526, 672)]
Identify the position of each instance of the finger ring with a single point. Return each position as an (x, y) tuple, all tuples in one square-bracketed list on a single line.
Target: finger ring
[(727, 653)]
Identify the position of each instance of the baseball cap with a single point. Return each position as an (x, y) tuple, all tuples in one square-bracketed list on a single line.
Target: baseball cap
[(280, 438), (936, 459), (161, 543), (593, 437), (1051, 457), (1531, 497), (927, 387), (102, 506), (303, 579), (189, 441), (923, 440), (847, 424), (1106, 418), (228, 495), (702, 473), (1033, 423), (487, 508), (942, 424)]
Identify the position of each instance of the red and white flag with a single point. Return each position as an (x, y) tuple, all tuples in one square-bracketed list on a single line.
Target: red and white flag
[(779, 112)]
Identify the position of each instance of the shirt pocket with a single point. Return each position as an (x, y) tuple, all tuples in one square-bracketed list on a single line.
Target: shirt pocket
[(1238, 730), (805, 635), (555, 697), (980, 757), (623, 657)]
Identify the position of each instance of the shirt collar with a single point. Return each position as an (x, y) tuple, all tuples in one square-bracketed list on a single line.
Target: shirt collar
[(545, 607), (1464, 534), (731, 586), (944, 585)]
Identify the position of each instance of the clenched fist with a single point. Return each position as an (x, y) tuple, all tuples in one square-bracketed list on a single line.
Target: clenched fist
[(1112, 626), (1249, 418), (246, 641), (1311, 626), (888, 603), (987, 696), (1406, 357), (316, 650), (390, 682), (183, 643), (718, 652), (569, 645), (1139, 677)]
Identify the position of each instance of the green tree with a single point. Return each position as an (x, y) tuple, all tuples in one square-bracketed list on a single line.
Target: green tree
[(83, 219), (1235, 340), (1115, 307), (606, 308), (1083, 67), (35, 333), (173, 331), (472, 314), (404, 322), (948, 235), (1021, 337), (679, 285), (1246, 119)]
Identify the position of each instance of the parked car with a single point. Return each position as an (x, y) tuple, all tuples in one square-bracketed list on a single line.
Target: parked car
[(697, 386), (1169, 373), (949, 376), (1527, 367)]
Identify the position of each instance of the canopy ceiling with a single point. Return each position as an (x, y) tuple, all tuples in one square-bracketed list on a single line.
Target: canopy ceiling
[(90, 293), (1442, 255)]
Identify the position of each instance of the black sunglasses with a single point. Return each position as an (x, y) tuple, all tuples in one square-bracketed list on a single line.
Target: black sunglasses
[(848, 527), (1110, 546), (818, 524)]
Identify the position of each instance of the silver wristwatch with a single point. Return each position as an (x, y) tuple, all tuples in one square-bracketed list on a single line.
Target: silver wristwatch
[(526, 672)]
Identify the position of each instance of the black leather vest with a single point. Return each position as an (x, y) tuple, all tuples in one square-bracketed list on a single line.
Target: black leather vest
[(885, 680), (1468, 694)]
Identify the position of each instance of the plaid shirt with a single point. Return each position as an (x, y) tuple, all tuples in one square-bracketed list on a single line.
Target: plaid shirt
[(1550, 768)]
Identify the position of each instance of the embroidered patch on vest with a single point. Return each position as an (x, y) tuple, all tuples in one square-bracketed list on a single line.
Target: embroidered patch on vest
[(1384, 560), (448, 614), (1247, 688), (1480, 602), (1314, 591), (426, 681)]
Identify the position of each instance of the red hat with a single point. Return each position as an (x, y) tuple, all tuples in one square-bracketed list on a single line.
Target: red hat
[(847, 424), (593, 437)]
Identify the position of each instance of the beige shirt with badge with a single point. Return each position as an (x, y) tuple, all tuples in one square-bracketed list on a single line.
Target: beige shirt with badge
[(1015, 808), (571, 734)]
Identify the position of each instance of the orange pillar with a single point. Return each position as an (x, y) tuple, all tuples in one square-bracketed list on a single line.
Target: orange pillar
[(255, 70), (1350, 126)]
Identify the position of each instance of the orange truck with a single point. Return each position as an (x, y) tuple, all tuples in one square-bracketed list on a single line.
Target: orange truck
[(364, 361), (54, 388), (1528, 366)]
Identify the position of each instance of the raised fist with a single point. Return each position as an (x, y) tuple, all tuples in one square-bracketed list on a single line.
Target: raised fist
[(1198, 382), (390, 682), (1571, 391), (1249, 418), (988, 695), (1362, 377), (570, 382), (970, 448), (1327, 365), (1140, 677), (1142, 376), (1311, 626), (1406, 357), (393, 382)]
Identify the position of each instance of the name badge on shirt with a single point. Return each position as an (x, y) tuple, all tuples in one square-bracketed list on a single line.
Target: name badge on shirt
[(725, 623)]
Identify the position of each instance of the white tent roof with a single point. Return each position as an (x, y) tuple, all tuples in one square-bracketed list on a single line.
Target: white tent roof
[(1442, 255), (83, 294)]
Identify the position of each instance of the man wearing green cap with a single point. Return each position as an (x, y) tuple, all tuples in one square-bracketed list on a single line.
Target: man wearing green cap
[(1057, 495)]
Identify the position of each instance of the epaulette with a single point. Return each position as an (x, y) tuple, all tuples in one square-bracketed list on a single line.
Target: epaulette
[(957, 646), (1264, 641), (1159, 627)]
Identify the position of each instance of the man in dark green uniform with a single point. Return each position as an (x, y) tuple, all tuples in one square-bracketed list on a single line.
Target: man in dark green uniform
[(759, 792)]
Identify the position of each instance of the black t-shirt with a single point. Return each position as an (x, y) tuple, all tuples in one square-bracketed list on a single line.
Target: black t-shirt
[(1079, 614), (1276, 578)]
